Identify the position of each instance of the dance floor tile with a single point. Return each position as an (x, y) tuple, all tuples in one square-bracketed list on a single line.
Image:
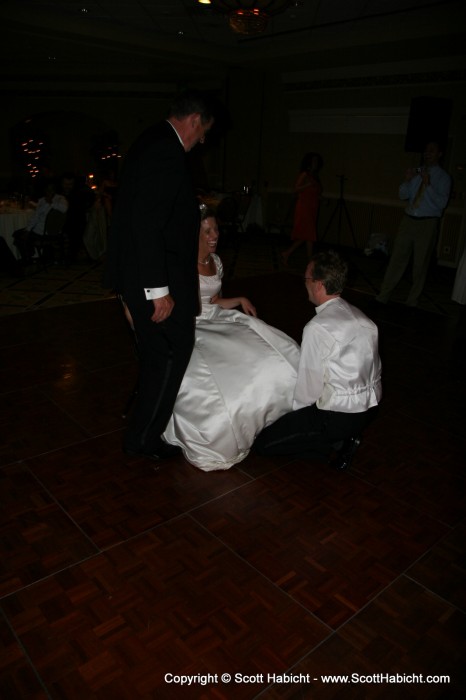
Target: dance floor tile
[(86, 286), (34, 361), (171, 601), (98, 350), (32, 424), (95, 400), (25, 365), (17, 677), (256, 466), (422, 466), (328, 539), (19, 299), (59, 325), (112, 496), (37, 537), (69, 297), (443, 568), (51, 275), (9, 310), (406, 630), (37, 283), (452, 416), (104, 315)]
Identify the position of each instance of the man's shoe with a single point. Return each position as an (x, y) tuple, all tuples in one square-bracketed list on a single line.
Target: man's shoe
[(161, 451), (343, 460)]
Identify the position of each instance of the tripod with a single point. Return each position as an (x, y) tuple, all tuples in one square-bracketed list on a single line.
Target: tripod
[(341, 208)]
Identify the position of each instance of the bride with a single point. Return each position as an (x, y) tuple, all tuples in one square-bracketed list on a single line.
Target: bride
[(241, 375)]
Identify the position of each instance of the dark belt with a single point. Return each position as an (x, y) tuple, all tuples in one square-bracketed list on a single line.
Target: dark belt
[(421, 218)]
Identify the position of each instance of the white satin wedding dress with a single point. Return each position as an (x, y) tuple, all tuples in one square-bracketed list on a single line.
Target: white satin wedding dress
[(240, 378)]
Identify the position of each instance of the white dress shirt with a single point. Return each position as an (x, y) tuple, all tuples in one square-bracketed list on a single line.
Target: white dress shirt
[(339, 368), (435, 196)]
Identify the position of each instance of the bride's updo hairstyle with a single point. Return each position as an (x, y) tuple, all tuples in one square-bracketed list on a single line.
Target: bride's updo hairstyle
[(206, 212)]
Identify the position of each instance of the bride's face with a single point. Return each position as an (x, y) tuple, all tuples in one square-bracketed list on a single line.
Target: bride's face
[(208, 236)]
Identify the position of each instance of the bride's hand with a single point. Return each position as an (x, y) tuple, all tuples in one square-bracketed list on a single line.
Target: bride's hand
[(247, 307)]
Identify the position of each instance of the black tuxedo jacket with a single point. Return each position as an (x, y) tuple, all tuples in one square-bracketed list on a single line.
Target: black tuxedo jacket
[(155, 226)]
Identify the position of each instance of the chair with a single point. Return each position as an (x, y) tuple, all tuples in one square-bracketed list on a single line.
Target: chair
[(53, 239)]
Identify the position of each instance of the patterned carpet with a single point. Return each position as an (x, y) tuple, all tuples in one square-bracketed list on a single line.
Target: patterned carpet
[(248, 255)]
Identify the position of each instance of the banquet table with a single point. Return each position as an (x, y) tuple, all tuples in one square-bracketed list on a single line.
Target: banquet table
[(12, 219)]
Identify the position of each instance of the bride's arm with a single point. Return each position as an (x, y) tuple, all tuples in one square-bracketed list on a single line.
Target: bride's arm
[(233, 302)]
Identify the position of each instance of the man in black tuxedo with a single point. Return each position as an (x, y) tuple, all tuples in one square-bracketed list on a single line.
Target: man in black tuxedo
[(152, 264)]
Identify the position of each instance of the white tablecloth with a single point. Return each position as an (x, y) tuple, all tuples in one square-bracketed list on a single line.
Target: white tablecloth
[(10, 221)]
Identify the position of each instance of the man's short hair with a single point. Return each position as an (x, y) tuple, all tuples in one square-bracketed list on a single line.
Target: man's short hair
[(331, 270), (191, 102)]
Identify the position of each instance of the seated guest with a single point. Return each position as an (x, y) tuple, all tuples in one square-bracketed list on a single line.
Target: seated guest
[(241, 375), (25, 238), (339, 376)]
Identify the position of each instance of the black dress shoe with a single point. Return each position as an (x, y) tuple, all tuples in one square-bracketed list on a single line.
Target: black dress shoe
[(161, 451), (345, 456)]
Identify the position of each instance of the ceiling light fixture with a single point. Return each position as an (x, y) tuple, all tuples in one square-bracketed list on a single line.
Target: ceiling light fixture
[(249, 16)]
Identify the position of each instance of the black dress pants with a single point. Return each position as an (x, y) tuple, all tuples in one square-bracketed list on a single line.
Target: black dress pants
[(164, 350), (310, 432)]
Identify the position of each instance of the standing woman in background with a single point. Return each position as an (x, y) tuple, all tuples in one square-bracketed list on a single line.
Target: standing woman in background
[(308, 190)]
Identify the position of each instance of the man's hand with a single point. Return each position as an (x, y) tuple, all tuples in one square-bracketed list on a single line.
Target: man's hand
[(162, 308), (425, 176)]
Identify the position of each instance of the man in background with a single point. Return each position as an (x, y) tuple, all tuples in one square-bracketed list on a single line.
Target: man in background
[(427, 190)]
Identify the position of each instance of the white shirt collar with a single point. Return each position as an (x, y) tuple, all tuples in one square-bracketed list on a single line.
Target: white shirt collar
[(321, 307), (179, 137)]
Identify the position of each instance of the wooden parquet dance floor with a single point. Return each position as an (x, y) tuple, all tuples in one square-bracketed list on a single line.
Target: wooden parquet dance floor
[(120, 579)]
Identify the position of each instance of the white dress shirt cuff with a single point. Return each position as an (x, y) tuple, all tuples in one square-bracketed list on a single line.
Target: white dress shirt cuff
[(156, 292)]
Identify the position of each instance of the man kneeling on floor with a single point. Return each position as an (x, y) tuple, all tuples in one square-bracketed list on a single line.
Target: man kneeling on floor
[(339, 377)]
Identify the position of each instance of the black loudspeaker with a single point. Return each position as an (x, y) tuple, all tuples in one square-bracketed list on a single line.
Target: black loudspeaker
[(429, 119)]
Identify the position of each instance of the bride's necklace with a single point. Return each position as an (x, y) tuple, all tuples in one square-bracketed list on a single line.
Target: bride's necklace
[(201, 262)]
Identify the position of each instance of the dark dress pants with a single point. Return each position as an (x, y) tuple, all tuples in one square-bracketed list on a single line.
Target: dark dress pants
[(164, 350), (310, 432)]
